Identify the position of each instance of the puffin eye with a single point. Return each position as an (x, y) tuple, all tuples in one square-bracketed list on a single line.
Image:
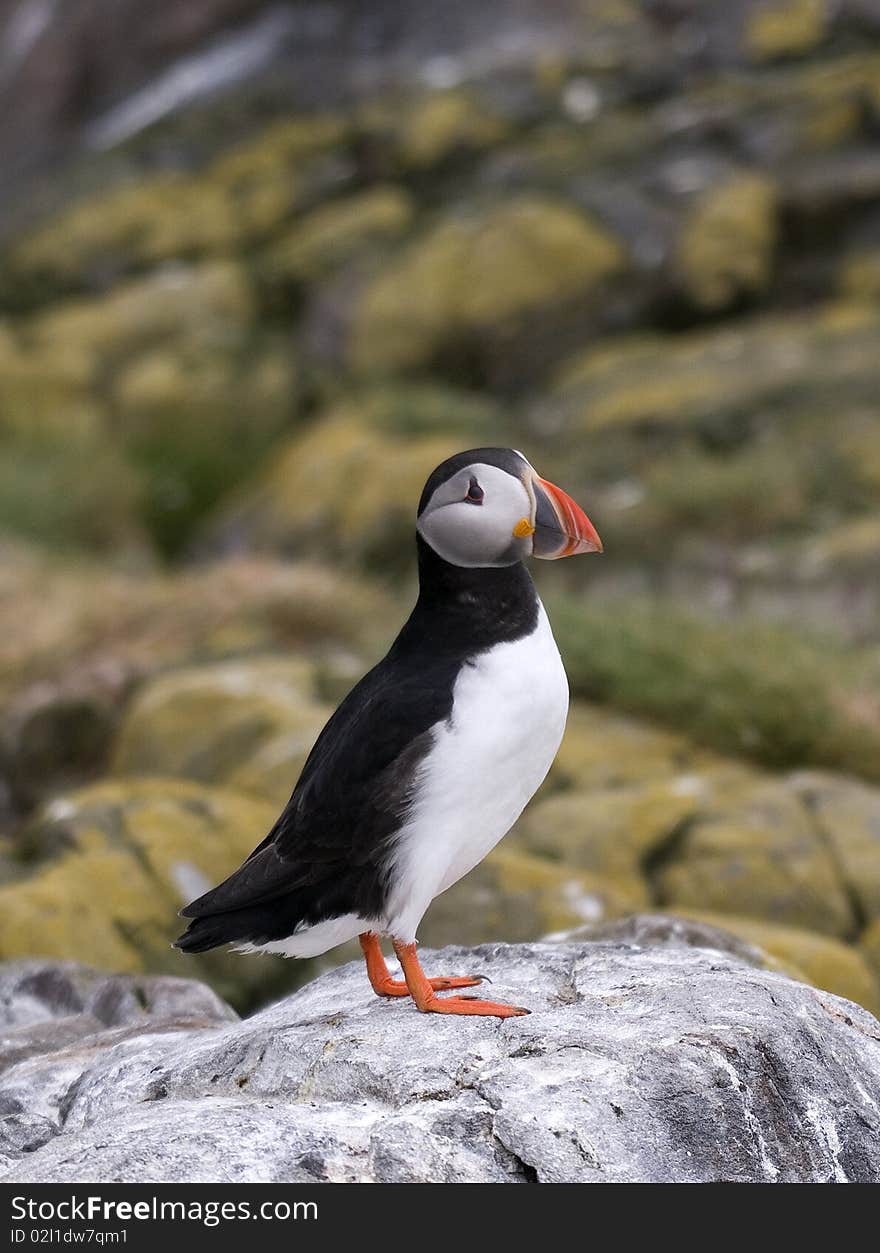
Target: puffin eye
[(474, 493)]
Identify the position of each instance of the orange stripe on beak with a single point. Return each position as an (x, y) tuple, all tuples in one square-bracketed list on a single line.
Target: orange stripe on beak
[(576, 532)]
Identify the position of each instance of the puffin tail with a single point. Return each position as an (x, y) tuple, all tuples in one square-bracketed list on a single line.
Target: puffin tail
[(206, 933)]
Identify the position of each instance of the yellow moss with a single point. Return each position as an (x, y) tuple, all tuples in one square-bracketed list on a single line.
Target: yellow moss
[(859, 278), (443, 123), (869, 944), (332, 234), (759, 855), (514, 897), (66, 911), (727, 240), (273, 768), (47, 391), (474, 272), (816, 959), (785, 28), (678, 380), (202, 722), (610, 831), (53, 625), (832, 125), (329, 488), (123, 857), (850, 546), (201, 303), (604, 749), (848, 812), (201, 383), (241, 196)]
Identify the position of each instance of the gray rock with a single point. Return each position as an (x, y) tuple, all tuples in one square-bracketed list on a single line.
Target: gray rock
[(55, 1016), (663, 1062), (666, 931)]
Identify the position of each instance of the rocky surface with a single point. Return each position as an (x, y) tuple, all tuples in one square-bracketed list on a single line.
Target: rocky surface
[(644, 1059), (296, 253)]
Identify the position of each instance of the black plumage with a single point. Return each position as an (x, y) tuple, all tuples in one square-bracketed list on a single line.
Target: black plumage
[(328, 854)]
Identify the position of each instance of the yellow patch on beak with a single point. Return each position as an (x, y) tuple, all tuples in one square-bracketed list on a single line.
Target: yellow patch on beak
[(523, 528)]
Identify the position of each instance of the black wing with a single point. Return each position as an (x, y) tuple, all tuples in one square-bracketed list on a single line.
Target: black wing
[(327, 854)]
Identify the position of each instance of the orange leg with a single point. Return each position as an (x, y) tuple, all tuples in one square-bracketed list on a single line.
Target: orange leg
[(382, 982), (422, 990)]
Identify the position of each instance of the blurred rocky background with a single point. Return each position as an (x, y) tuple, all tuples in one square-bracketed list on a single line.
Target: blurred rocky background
[(262, 266)]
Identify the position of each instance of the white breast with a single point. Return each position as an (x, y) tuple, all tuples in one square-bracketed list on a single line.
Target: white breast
[(486, 762)]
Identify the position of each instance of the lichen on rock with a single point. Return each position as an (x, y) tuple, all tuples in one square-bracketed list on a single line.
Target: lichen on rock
[(476, 273)]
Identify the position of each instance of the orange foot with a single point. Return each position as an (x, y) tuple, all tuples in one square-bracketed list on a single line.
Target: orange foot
[(423, 992), (383, 984)]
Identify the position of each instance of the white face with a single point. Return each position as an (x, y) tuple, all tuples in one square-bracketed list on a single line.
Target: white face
[(480, 517)]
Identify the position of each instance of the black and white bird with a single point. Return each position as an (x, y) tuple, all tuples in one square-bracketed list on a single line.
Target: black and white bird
[(434, 754)]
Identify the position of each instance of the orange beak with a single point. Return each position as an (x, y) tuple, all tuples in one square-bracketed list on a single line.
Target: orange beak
[(562, 529)]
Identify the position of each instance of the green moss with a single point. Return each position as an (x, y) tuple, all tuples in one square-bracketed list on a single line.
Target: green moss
[(475, 273), (726, 245), (762, 691)]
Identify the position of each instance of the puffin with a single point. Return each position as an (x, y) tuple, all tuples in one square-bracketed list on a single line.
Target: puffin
[(432, 756)]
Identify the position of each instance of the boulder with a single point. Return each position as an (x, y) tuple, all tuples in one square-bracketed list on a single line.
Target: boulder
[(514, 896), (604, 749), (611, 832), (759, 855), (848, 814), (657, 1063), (103, 871), (52, 1008), (207, 722), (804, 955), (69, 660)]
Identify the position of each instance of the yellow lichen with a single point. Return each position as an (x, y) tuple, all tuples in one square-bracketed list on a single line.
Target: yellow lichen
[(332, 234), (329, 488), (726, 245), (785, 28), (474, 272), (443, 123)]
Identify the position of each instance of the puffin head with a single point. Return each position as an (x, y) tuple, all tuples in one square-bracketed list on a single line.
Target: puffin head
[(488, 507)]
